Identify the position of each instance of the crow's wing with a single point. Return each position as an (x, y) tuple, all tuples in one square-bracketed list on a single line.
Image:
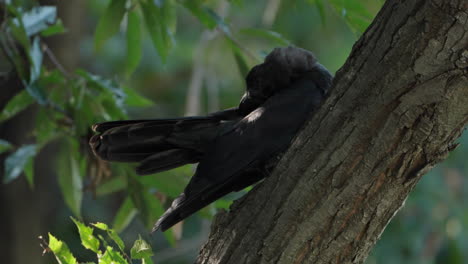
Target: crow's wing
[(158, 144), (240, 151)]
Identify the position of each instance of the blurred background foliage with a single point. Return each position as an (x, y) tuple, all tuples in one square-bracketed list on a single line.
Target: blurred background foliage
[(65, 65)]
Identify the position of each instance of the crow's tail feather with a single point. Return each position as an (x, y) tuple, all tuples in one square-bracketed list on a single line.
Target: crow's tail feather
[(157, 145)]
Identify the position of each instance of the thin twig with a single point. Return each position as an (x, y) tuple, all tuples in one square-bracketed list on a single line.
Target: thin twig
[(55, 61)]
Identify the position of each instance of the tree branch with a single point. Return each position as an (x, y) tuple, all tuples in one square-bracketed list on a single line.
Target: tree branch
[(396, 107)]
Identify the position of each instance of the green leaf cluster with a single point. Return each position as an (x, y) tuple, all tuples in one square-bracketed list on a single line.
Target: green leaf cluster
[(106, 244), (67, 103)]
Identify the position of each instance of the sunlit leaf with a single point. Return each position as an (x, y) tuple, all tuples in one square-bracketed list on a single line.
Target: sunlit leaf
[(112, 234), (147, 260), (102, 226), (109, 23), (133, 42), (88, 240), (112, 257), (17, 104), (141, 249), (15, 162), (61, 251), (125, 215)]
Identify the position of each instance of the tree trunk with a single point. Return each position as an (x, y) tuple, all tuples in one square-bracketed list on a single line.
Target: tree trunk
[(394, 111)]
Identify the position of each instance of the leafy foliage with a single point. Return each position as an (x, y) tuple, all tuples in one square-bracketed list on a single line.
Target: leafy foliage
[(69, 102), (100, 246)]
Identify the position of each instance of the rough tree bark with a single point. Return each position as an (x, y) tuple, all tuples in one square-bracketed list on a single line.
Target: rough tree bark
[(396, 107)]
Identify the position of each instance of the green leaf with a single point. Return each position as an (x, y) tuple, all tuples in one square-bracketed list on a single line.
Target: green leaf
[(37, 19), (109, 23), (141, 249), (125, 215), (272, 36), (135, 99), (115, 237), (112, 234), (101, 226), (19, 33), (5, 146), (37, 92), (86, 235), (69, 178), (104, 97), (147, 260), (61, 251), (15, 162), (17, 104), (112, 257), (57, 28), (103, 241), (36, 60), (205, 15), (32, 86), (170, 15), (46, 127), (133, 42), (223, 204), (104, 85), (155, 20), (29, 172)]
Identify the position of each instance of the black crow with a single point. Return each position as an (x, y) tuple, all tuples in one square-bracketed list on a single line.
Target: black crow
[(235, 147)]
